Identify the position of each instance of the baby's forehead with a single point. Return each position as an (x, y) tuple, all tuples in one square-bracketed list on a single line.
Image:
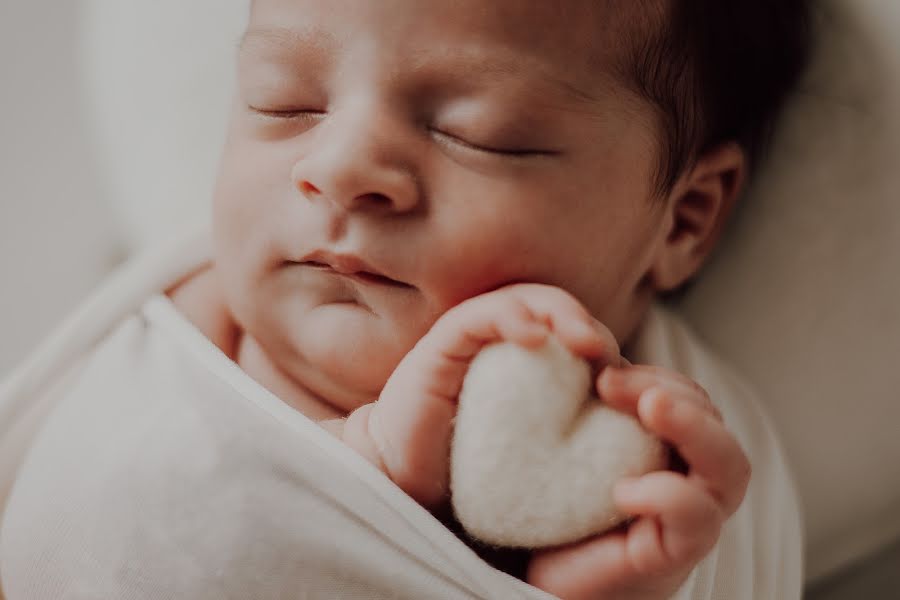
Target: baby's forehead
[(577, 43)]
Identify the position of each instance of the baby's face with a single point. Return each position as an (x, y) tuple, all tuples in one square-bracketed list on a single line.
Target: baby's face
[(433, 151)]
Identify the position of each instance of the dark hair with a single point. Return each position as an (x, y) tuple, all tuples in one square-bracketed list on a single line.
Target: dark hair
[(717, 71)]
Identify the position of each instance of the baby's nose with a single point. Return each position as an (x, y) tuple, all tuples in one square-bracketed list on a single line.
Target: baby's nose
[(358, 174), (308, 189), (398, 201)]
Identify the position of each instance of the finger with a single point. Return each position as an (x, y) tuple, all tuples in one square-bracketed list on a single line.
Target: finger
[(644, 547), (576, 328), (585, 569), (463, 331), (517, 323), (412, 446), (712, 453), (411, 424), (688, 520), (634, 379), (622, 387)]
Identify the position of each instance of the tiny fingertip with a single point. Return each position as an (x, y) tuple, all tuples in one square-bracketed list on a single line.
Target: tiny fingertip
[(590, 342), (613, 385)]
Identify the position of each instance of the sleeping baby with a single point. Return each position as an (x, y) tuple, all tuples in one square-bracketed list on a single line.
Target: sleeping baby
[(267, 411)]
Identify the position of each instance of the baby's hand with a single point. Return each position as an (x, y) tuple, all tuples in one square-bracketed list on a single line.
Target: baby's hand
[(679, 515), (407, 432)]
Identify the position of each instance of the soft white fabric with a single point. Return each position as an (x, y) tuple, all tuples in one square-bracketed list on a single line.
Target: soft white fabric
[(165, 473), (156, 468), (535, 454)]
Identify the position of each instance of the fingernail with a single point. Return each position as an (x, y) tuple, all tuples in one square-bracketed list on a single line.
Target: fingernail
[(653, 403), (661, 403)]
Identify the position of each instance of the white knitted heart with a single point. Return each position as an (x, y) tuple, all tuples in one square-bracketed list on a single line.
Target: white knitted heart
[(535, 454)]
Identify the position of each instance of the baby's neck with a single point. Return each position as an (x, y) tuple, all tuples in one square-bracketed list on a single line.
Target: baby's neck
[(253, 360)]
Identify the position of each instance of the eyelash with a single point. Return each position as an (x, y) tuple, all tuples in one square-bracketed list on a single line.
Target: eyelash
[(288, 115), (510, 152)]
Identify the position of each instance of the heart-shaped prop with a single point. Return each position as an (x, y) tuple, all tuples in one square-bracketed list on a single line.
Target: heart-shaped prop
[(535, 453)]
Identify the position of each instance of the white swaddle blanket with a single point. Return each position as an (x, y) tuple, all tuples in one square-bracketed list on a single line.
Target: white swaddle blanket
[(138, 462)]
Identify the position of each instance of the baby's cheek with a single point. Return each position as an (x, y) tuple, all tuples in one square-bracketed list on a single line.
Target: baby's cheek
[(471, 270)]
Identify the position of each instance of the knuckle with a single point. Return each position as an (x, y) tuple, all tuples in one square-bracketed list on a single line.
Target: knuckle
[(522, 309), (454, 318)]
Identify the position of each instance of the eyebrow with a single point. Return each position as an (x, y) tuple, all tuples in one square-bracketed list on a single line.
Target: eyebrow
[(502, 62), (505, 62)]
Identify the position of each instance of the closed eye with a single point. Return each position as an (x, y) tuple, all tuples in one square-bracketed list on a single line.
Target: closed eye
[(288, 113), (448, 138)]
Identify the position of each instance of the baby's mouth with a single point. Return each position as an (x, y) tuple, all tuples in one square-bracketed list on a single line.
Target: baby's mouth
[(361, 276), (350, 267)]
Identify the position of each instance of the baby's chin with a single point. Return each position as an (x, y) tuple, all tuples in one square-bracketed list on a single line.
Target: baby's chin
[(341, 351)]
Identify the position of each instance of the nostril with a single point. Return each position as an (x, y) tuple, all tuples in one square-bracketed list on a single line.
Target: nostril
[(374, 198), (308, 188)]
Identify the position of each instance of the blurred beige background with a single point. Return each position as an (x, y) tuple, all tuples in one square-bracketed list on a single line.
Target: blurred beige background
[(56, 236)]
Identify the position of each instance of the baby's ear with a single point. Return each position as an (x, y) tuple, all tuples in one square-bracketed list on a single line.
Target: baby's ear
[(698, 205)]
